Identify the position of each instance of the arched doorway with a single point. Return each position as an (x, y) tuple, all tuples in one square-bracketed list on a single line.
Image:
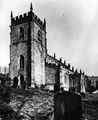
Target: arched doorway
[(21, 79)]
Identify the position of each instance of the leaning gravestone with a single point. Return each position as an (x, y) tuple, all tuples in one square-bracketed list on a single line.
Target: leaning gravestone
[(67, 106)]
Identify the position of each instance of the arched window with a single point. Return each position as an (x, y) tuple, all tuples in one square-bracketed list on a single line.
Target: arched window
[(39, 35), (21, 32), (22, 61), (65, 78)]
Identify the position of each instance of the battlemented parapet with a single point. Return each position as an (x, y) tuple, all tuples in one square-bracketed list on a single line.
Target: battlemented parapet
[(53, 60), (53, 65), (72, 68), (30, 16)]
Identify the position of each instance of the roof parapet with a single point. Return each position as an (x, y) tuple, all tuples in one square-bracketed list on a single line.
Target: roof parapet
[(28, 17), (72, 68)]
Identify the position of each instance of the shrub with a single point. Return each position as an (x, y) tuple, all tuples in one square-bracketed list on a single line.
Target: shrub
[(5, 111), (3, 82), (5, 108)]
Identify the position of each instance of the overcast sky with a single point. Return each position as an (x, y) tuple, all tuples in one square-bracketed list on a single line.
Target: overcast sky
[(72, 29)]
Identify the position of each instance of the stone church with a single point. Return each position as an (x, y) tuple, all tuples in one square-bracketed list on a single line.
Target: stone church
[(29, 60)]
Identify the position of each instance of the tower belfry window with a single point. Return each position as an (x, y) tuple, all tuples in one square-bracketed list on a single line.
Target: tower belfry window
[(21, 61), (21, 32), (39, 35)]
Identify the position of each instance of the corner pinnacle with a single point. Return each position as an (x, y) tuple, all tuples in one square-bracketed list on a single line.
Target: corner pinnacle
[(31, 8)]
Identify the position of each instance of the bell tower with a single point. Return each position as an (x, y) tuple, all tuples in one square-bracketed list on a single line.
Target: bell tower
[(28, 48)]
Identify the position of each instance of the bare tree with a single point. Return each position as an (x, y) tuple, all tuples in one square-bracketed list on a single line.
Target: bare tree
[(5, 69)]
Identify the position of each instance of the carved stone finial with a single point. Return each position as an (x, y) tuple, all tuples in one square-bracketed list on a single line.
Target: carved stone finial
[(11, 14), (76, 71), (31, 8), (69, 65), (80, 71), (64, 62), (60, 59), (45, 23), (73, 68), (54, 55)]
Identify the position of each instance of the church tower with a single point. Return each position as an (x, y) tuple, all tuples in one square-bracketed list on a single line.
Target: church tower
[(28, 48)]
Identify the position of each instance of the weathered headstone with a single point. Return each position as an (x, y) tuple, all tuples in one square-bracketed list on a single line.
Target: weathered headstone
[(23, 87), (15, 82), (67, 106)]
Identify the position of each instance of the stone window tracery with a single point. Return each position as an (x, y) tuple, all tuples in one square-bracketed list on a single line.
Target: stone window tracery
[(21, 61), (39, 35), (21, 32)]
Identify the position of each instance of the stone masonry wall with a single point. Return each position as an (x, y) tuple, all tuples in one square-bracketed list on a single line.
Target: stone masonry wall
[(37, 56), (64, 79), (50, 75), (18, 47)]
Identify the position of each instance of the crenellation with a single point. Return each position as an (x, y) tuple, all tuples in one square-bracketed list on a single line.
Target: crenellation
[(30, 16), (16, 18), (41, 23), (38, 19), (20, 16), (68, 66), (51, 65), (60, 60), (76, 71), (72, 68), (19, 19), (80, 71), (24, 14), (54, 55), (35, 17), (64, 62)]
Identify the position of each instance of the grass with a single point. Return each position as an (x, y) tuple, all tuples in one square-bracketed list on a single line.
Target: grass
[(36, 96)]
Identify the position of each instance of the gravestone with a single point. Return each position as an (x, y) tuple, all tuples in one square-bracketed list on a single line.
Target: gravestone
[(67, 106), (15, 82)]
